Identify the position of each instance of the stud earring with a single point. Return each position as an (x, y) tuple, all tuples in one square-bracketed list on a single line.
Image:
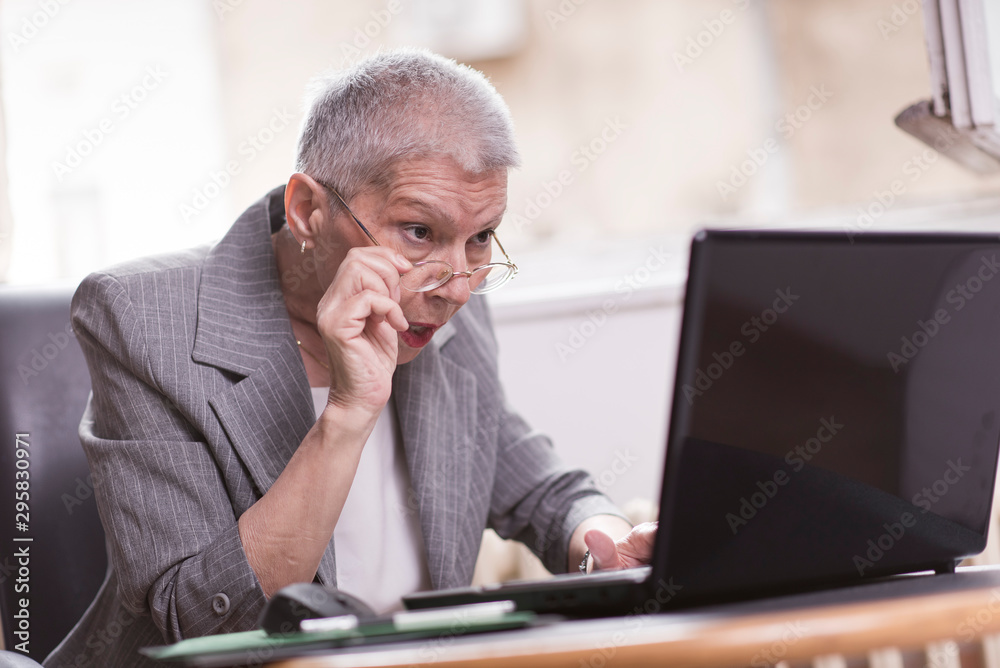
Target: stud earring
[(302, 250)]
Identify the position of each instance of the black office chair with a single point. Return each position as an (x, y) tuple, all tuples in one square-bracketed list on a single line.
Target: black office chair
[(44, 385)]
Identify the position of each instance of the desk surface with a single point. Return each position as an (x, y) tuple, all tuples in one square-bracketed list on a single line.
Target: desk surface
[(908, 613)]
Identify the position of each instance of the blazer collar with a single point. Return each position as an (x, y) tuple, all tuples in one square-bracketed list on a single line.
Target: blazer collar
[(241, 311)]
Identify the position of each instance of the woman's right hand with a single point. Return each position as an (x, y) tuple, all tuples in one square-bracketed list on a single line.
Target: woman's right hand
[(359, 318)]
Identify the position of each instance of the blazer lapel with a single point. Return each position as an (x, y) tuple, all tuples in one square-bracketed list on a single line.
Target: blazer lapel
[(435, 402), (266, 415)]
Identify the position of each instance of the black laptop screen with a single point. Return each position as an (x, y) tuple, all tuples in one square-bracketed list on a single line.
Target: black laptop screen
[(836, 411)]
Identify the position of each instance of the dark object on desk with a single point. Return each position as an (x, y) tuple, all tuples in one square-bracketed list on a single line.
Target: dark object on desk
[(598, 594), (58, 540), (835, 418), (308, 600)]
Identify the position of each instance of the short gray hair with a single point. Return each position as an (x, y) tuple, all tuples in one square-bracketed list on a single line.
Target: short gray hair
[(400, 104)]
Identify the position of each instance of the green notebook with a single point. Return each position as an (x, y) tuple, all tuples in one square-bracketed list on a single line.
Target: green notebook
[(257, 647)]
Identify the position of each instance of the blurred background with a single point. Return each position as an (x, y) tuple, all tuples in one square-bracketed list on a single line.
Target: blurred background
[(133, 128), (139, 127)]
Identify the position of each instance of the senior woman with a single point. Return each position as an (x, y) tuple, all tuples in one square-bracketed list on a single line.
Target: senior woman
[(316, 396)]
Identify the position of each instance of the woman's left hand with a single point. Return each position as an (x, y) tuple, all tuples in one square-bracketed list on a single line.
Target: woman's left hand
[(635, 549)]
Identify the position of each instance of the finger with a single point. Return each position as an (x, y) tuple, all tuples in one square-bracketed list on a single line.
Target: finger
[(348, 302), (397, 259), (389, 310), (602, 549), (643, 535), (399, 263), (354, 313), (637, 547), (402, 264), (367, 271)]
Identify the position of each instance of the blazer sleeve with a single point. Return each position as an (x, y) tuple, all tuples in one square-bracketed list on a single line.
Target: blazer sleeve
[(171, 530), (537, 498)]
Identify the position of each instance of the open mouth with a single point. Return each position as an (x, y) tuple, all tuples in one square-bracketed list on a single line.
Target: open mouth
[(418, 335)]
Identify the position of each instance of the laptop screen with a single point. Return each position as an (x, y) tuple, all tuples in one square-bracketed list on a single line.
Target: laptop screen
[(836, 412)]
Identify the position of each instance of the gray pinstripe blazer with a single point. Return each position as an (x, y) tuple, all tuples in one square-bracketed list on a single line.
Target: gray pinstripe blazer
[(199, 400)]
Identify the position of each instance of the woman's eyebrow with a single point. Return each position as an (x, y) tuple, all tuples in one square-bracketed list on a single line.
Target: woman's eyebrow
[(437, 213), (428, 209)]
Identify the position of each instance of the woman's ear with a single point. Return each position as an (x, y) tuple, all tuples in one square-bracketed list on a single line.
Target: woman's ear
[(306, 208)]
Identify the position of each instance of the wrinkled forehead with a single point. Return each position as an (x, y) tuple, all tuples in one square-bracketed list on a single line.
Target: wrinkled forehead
[(438, 186)]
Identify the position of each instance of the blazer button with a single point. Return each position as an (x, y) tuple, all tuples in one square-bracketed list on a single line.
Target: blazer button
[(220, 604)]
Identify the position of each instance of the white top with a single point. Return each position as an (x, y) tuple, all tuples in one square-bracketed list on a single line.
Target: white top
[(379, 548)]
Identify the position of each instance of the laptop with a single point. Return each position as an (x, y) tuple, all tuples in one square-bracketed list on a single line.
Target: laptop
[(835, 419)]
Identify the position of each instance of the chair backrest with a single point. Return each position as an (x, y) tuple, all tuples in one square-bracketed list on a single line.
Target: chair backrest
[(44, 384)]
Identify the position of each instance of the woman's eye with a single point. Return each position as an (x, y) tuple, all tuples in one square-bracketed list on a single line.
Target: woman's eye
[(419, 232), (484, 237)]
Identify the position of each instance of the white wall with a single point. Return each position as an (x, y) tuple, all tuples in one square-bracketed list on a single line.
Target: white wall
[(590, 361)]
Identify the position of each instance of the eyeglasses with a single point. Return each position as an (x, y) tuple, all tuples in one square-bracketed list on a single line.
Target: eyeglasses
[(431, 274)]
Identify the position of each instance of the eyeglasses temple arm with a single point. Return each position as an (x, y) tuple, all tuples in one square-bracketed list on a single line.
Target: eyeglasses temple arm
[(360, 224), (500, 246)]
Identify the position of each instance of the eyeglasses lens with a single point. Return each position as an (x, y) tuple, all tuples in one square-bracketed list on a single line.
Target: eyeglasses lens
[(489, 278), (426, 276)]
